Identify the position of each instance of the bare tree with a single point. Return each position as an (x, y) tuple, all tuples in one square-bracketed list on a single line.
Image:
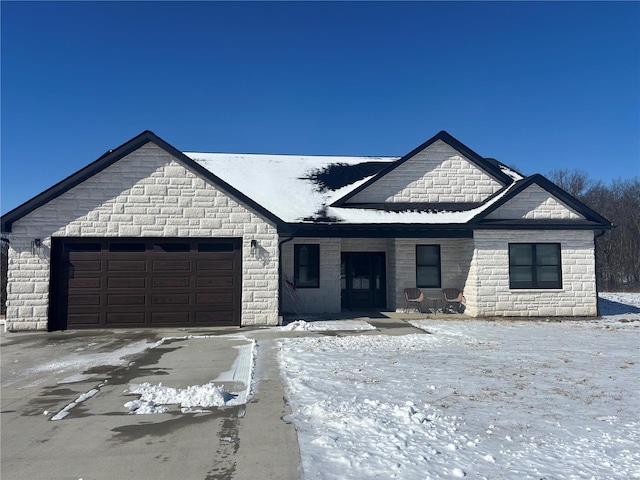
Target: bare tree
[(618, 251), (575, 182)]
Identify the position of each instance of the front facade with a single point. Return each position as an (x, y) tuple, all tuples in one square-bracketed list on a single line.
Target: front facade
[(148, 236)]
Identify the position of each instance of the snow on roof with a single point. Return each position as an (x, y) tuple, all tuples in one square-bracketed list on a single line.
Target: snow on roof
[(298, 188), (286, 185), (365, 216), (512, 173)]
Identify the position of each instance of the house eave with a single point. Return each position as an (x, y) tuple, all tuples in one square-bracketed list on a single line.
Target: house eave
[(526, 224), (377, 230), (452, 230)]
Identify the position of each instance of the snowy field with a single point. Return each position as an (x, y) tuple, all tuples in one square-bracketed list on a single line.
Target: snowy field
[(475, 399)]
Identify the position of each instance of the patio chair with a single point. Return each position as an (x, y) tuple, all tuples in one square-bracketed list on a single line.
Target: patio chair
[(453, 300), (414, 295)]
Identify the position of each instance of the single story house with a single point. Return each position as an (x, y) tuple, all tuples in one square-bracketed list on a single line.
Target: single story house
[(148, 236)]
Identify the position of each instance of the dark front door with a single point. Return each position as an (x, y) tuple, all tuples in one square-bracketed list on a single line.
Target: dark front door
[(363, 280)]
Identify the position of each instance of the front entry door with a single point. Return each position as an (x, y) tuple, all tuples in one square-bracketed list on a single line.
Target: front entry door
[(363, 280)]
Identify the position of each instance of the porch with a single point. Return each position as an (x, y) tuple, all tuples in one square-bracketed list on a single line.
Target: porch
[(343, 276)]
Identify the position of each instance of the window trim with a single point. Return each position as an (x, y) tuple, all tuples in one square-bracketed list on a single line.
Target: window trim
[(534, 283), (314, 257), (439, 285)]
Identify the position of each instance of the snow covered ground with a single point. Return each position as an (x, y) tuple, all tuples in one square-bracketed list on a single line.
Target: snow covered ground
[(481, 399), (327, 325)]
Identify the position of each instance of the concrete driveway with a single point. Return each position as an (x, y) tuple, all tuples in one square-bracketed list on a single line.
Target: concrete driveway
[(82, 377)]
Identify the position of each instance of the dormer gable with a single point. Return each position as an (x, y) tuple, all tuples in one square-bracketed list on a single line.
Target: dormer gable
[(534, 202), (440, 171), (537, 201)]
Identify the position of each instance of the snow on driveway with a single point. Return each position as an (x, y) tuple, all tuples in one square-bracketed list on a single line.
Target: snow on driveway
[(155, 398), (481, 399), (67, 366)]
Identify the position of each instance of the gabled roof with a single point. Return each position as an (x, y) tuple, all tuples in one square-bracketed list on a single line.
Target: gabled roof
[(591, 218), (111, 157), (306, 193), (491, 166)]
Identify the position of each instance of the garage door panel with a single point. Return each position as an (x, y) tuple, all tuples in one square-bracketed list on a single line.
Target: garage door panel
[(127, 265), (171, 265), (174, 282), (125, 318), (89, 319), (215, 282), (160, 282), (222, 318), (170, 318), (76, 299), (171, 299), (85, 282), (215, 298), (126, 282), (86, 266), (114, 300), (217, 265)]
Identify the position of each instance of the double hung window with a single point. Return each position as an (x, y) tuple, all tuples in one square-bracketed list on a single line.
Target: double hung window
[(428, 266)]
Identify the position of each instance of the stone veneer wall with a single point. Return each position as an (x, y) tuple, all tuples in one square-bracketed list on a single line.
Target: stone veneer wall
[(488, 291), (439, 173), (148, 193), (534, 203)]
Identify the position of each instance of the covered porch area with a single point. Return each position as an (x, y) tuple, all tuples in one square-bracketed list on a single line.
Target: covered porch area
[(363, 274)]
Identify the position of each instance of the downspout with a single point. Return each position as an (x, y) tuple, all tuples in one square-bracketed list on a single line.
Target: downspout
[(595, 267), (291, 237)]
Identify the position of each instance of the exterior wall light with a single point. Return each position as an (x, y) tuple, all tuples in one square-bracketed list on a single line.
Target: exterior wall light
[(36, 246)]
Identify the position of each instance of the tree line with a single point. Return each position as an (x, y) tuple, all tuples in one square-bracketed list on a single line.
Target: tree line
[(618, 250)]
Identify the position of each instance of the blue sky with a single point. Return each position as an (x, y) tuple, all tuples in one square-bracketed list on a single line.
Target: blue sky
[(539, 86)]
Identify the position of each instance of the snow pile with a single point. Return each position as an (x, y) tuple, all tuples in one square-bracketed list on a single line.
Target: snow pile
[(474, 399), (153, 398), (327, 325)]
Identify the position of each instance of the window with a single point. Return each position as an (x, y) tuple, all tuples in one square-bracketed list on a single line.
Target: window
[(127, 247), (535, 265), (428, 266), (170, 247), (306, 259), (82, 247), (215, 247)]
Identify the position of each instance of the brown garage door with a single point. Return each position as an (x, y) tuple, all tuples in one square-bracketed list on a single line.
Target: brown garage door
[(132, 282)]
